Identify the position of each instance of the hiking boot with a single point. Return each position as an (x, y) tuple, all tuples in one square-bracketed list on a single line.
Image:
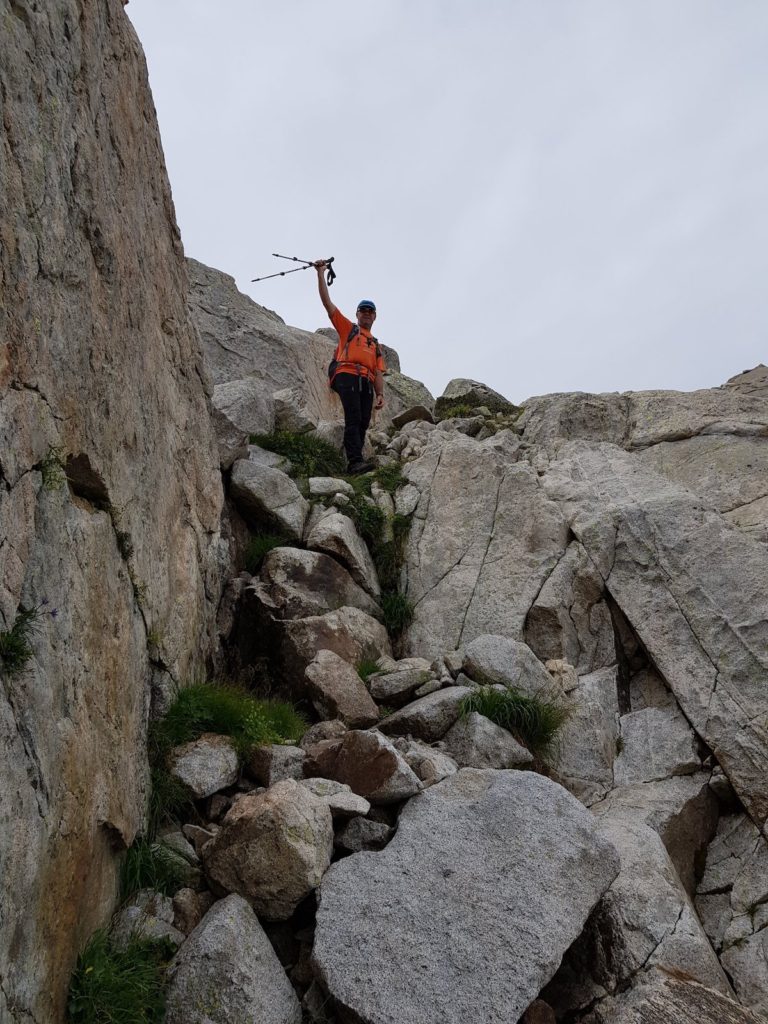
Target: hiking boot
[(356, 468)]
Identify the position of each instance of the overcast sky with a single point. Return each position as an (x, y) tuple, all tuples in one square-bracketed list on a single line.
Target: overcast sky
[(545, 195)]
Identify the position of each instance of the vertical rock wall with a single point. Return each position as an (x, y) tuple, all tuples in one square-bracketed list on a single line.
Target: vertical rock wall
[(100, 377)]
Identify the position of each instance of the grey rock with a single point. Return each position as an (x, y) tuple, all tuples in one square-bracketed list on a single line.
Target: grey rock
[(431, 764), (178, 843), (322, 731), (448, 943), (335, 535), (499, 659), (432, 685), (264, 457), (295, 584), (368, 763), (147, 915), (227, 971), (747, 964), (246, 404), (414, 412), (327, 486), (406, 500), (268, 498), (189, 908), (205, 765), (656, 743), (404, 392), (476, 742), (292, 413), (273, 848), (428, 718), (396, 688), (460, 391), (362, 834), (338, 692), (587, 742), (348, 632), (663, 997), (274, 762), (343, 803), (751, 382)]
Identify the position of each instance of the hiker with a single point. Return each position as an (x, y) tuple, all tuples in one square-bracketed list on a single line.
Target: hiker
[(357, 372)]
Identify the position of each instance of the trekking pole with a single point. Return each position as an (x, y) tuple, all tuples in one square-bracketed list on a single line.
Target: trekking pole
[(331, 275)]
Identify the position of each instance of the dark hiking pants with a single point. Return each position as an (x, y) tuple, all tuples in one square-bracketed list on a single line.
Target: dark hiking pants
[(356, 394)]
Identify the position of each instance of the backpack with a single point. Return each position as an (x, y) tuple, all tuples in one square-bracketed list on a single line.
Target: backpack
[(333, 365)]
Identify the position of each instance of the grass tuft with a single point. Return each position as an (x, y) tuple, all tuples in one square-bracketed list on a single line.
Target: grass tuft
[(534, 721), (390, 477), (119, 986), (458, 411), (15, 648), (398, 612), (52, 469), (367, 667), (150, 865), (259, 547), (309, 455)]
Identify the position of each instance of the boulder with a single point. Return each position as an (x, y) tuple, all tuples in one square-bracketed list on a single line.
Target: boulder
[(460, 391), (322, 731), (273, 848), (189, 908), (476, 742), (337, 691), (247, 405), (147, 915), (429, 763), (264, 457), (404, 392), (328, 486), (498, 659), (368, 763), (343, 803), (335, 535), (295, 584), (205, 765), (268, 498), (666, 997), (362, 834), (656, 743), (428, 718), (693, 588), (276, 761), (483, 540), (292, 413), (418, 934), (228, 971), (348, 632), (396, 688), (411, 414)]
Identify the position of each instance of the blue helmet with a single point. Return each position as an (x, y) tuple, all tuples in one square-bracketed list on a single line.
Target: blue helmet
[(366, 304)]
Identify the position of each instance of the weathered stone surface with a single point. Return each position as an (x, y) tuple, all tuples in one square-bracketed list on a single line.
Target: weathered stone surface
[(428, 718), (483, 540), (499, 659), (396, 688), (570, 619), (751, 382), (273, 848), (368, 763), (362, 834), (292, 413), (644, 920), (322, 731), (461, 391), (683, 810), (430, 763), (411, 414), (227, 971), (335, 534), (476, 742), (692, 586), (327, 486), (663, 997), (295, 584), (655, 744), (205, 765), (189, 908), (404, 392), (342, 802), (147, 915), (98, 361), (268, 498), (418, 934), (348, 632), (747, 963), (264, 457), (275, 762), (246, 404), (587, 742), (337, 691)]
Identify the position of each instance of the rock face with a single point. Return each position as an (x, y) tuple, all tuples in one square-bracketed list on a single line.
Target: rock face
[(418, 934), (228, 971), (100, 372)]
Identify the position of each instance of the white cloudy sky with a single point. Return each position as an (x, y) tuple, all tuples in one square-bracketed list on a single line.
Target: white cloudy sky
[(546, 195)]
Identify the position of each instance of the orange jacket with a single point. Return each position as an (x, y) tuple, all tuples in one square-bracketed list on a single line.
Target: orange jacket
[(362, 356)]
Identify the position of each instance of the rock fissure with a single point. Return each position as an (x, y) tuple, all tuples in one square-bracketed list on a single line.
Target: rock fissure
[(491, 533)]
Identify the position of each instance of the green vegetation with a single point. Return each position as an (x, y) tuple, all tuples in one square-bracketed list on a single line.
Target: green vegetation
[(534, 721), (150, 865), (119, 986), (52, 470), (457, 411), (309, 455), (367, 667), (390, 477), (398, 612), (15, 648), (259, 547)]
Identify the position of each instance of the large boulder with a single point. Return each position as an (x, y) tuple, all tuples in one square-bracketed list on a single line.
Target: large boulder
[(492, 659), (273, 848), (268, 499), (484, 538), (102, 383), (368, 763), (348, 632), (428, 718), (694, 589), (335, 535), (337, 691), (467, 912), (228, 971), (460, 392)]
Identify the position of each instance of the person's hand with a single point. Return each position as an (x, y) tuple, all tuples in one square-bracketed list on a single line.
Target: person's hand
[(379, 402), (320, 265)]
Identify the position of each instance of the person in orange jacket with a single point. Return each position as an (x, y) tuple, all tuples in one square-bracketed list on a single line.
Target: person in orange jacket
[(357, 374)]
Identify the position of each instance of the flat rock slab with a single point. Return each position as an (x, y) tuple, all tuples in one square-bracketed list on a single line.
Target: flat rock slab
[(228, 971), (428, 718), (467, 912)]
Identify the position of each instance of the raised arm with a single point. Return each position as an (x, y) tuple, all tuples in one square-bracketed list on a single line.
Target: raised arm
[(322, 287)]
